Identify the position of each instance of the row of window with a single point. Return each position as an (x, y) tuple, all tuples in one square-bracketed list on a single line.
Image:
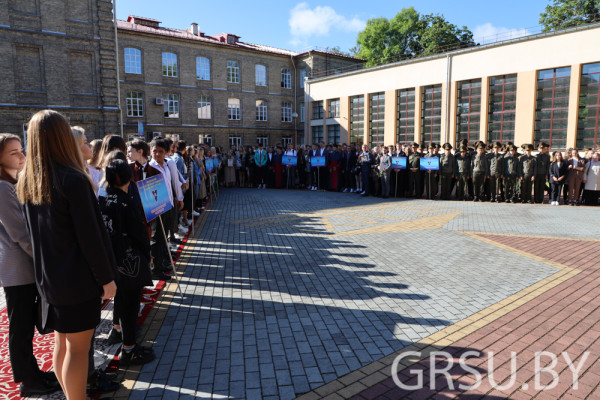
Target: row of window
[(237, 140), (333, 134), (551, 113), (135, 107), (170, 68)]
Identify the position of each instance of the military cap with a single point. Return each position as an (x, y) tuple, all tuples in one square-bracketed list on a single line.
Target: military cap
[(447, 146), (587, 149), (415, 144), (421, 146), (512, 147), (432, 145), (542, 145), (528, 147), (481, 145), (497, 145), (524, 146)]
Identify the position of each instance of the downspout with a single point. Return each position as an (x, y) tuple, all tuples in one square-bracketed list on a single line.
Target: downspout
[(448, 89), (295, 102), (118, 67)]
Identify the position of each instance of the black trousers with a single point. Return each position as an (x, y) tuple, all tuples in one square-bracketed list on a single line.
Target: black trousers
[(556, 188), (127, 306), (21, 310), (365, 171)]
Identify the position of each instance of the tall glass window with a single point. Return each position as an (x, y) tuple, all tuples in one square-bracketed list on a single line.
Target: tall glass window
[(302, 76), (203, 68), (588, 125), (261, 110), (234, 112), (333, 109), (376, 118), (502, 107), (133, 61), (431, 113), (260, 75), (172, 106), (135, 104), (468, 110), (552, 107), (204, 107), (233, 72), (405, 131), (286, 112), (317, 110), (169, 65), (317, 134), (302, 111), (333, 134), (357, 119), (286, 79)]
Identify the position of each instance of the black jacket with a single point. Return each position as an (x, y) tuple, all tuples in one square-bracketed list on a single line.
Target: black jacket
[(71, 250), (558, 172), (129, 237)]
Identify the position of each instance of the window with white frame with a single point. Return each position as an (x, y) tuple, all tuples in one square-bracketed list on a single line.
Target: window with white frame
[(233, 72), (261, 110), (234, 109), (204, 107), (205, 139), (302, 111), (133, 61), (285, 141), (302, 76), (260, 75), (264, 140), (172, 106), (135, 104), (286, 112), (169, 64), (235, 141), (203, 68), (286, 79)]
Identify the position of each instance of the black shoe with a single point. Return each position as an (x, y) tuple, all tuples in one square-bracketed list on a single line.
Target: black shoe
[(175, 241), (37, 388), (137, 356), (364, 194), (167, 268), (97, 385), (115, 336), (161, 276), (107, 376), (48, 376)]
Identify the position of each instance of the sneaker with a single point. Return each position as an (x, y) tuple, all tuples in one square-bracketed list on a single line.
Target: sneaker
[(145, 300), (137, 356), (196, 214), (179, 236), (345, 191), (184, 228)]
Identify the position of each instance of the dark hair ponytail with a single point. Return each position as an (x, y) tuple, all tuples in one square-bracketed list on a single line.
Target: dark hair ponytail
[(118, 173)]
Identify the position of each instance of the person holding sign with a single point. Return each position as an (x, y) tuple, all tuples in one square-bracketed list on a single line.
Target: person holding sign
[(432, 175), (290, 170), (447, 171)]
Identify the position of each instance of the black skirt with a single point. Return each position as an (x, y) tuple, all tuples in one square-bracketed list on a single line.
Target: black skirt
[(72, 318)]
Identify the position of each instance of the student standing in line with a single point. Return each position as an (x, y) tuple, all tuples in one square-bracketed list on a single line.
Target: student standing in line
[(74, 269), (558, 174), (576, 167)]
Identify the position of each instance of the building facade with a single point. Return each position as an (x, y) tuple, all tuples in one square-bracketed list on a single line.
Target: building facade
[(58, 54), (213, 89), (541, 88)]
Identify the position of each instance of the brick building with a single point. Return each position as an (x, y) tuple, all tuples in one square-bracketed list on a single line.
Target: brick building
[(58, 54), (215, 89), (61, 54)]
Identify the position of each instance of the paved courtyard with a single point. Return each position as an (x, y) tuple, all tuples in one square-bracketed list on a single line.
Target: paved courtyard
[(291, 293)]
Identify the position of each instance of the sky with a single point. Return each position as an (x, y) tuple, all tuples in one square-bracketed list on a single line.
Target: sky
[(301, 25)]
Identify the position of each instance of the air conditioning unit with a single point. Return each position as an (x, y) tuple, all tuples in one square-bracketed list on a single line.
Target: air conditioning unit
[(155, 134), (159, 101)]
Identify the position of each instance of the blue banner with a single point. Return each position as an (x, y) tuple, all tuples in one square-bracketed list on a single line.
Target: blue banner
[(155, 196), (430, 163), (289, 160), (209, 165), (317, 161), (398, 162), (215, 161)]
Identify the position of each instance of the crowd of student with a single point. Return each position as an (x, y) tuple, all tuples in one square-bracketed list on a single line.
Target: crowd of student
[(495, 172), (73, 233)]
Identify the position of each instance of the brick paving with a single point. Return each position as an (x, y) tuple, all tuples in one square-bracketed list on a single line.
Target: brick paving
[(290, 293)]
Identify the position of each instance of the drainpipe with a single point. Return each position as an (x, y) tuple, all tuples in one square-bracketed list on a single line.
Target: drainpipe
[(448, 89), (295, 119), (118, 67)]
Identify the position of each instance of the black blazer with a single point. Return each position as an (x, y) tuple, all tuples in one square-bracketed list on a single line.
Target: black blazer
[(558, 172), (72, 253)]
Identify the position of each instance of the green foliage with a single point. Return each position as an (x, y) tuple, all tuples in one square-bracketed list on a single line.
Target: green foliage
[(567, 13), (408, 35)]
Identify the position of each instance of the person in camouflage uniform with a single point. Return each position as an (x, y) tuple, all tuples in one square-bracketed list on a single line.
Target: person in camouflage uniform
[(511, 174), (462, 172), (527, 173), (541, 177), (495, 162), (413, 164), (480, 170), (431, 177), (446, 171)]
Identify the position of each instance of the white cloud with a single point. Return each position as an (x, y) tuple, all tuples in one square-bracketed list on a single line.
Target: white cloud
[(319, 21), (488, 33)]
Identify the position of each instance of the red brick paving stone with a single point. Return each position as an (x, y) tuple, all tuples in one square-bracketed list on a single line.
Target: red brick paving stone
[(564, 318)]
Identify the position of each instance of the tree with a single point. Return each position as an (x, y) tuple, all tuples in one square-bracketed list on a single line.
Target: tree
[(338, 50), (408, 35), (566, 13)]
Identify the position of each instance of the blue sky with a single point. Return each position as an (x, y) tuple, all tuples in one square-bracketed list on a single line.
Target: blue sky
[(299, 25)]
